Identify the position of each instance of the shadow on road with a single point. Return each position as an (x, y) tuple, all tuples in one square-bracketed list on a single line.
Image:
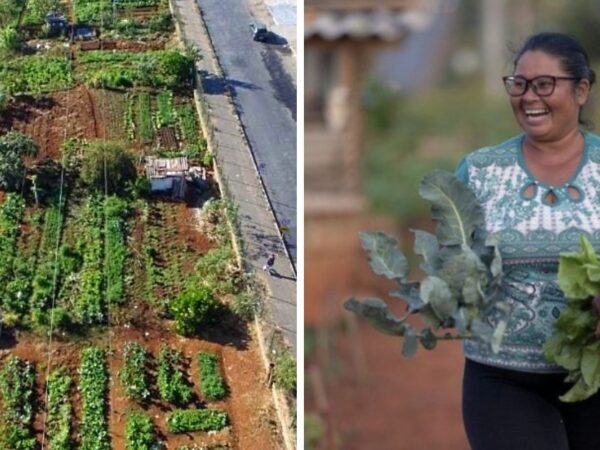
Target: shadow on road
[(216, 85)]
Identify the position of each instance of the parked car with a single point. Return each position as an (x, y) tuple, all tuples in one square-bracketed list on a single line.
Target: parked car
[(259, 31)]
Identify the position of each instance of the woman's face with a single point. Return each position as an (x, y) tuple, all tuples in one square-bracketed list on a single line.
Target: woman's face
[(548, 118)]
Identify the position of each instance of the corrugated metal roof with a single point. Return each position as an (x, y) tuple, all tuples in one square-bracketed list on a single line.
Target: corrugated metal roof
[(165, 167), (387, 25)]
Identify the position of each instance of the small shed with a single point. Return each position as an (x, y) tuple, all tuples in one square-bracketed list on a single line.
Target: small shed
[(57, 22), (167, 174)]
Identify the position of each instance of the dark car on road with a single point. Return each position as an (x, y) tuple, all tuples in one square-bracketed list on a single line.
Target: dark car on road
[(259, 31)]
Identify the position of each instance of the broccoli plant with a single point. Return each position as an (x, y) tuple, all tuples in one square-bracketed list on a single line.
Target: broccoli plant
[(463, 266)]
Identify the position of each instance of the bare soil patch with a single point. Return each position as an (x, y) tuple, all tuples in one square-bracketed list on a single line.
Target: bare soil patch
[(51, 120)]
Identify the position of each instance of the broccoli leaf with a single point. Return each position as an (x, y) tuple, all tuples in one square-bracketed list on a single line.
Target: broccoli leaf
[(454, 207), (384, 256)]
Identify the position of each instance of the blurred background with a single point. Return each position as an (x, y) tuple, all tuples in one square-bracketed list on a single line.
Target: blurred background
[(394, 89)]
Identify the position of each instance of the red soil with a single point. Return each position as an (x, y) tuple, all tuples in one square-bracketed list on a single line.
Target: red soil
[(356, 378)]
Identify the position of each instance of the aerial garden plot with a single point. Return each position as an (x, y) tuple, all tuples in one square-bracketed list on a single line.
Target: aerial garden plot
[(123, 313)]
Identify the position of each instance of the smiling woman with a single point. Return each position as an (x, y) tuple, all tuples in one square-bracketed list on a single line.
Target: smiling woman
[(539, 193)]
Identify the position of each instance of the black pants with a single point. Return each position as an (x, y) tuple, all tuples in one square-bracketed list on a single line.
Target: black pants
[(511, 410)]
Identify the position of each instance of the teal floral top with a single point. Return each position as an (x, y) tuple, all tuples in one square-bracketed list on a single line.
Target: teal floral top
[(535, 223)]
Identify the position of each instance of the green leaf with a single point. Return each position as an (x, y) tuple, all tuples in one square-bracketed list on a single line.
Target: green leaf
[(428, 339), (377, 313), (429, 317), (410, 293), (569, 356), (454, 207), (573, 271), (496, 264), (590, 364), (384, 255), (436, 292), (580, 391), (410, 344), (427, 246), (461, 266)]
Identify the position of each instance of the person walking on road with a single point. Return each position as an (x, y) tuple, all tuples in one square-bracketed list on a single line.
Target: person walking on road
[(268, 267)]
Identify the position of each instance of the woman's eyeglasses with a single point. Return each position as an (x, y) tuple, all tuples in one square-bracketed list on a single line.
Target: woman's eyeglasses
[(543, 85)]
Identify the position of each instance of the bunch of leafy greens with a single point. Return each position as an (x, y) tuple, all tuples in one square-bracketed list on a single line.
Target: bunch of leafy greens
[(463, 267), (574, 344)]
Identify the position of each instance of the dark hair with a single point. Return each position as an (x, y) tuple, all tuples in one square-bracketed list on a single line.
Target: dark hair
[(573, 57)]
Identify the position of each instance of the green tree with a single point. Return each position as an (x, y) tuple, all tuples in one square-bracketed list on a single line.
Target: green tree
[(14, 147), (194, 309), (107, 162)]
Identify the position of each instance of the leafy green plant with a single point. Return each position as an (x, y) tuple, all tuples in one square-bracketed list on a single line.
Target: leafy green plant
[(89, 307), (35, 74), (10, 40), (145, 118), (575, 344), (134, 374), (165, 116), (140, 433), (116, 248), (188, 123), (194, 309), (171, 379), (463, 267), (17, 379), (60, 410), (93, 385), (211, 381), (284, 372), (185, 421)]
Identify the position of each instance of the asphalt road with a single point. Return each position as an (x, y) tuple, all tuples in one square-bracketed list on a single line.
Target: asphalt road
[(265, 97)]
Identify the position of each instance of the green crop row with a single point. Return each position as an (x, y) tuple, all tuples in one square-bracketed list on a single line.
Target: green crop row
[(185, 421), (93, 385), (17, 379), (128, 119), (116, 249), (35, 74), (47, 273), (11, 214), (211, 381), (171, 378), (188, 123), (165, 116), (89, 308), (60, 411), (145, 118), (140, 433), (158, 69), (17, 291), (134, 374)]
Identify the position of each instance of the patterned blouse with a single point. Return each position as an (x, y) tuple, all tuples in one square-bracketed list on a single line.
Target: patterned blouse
[(535, 222)]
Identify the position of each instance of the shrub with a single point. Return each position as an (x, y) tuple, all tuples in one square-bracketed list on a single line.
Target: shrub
[(120, 167), (284, 373), (245, 305), (14, 146), (194, 309), (184, 421)]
